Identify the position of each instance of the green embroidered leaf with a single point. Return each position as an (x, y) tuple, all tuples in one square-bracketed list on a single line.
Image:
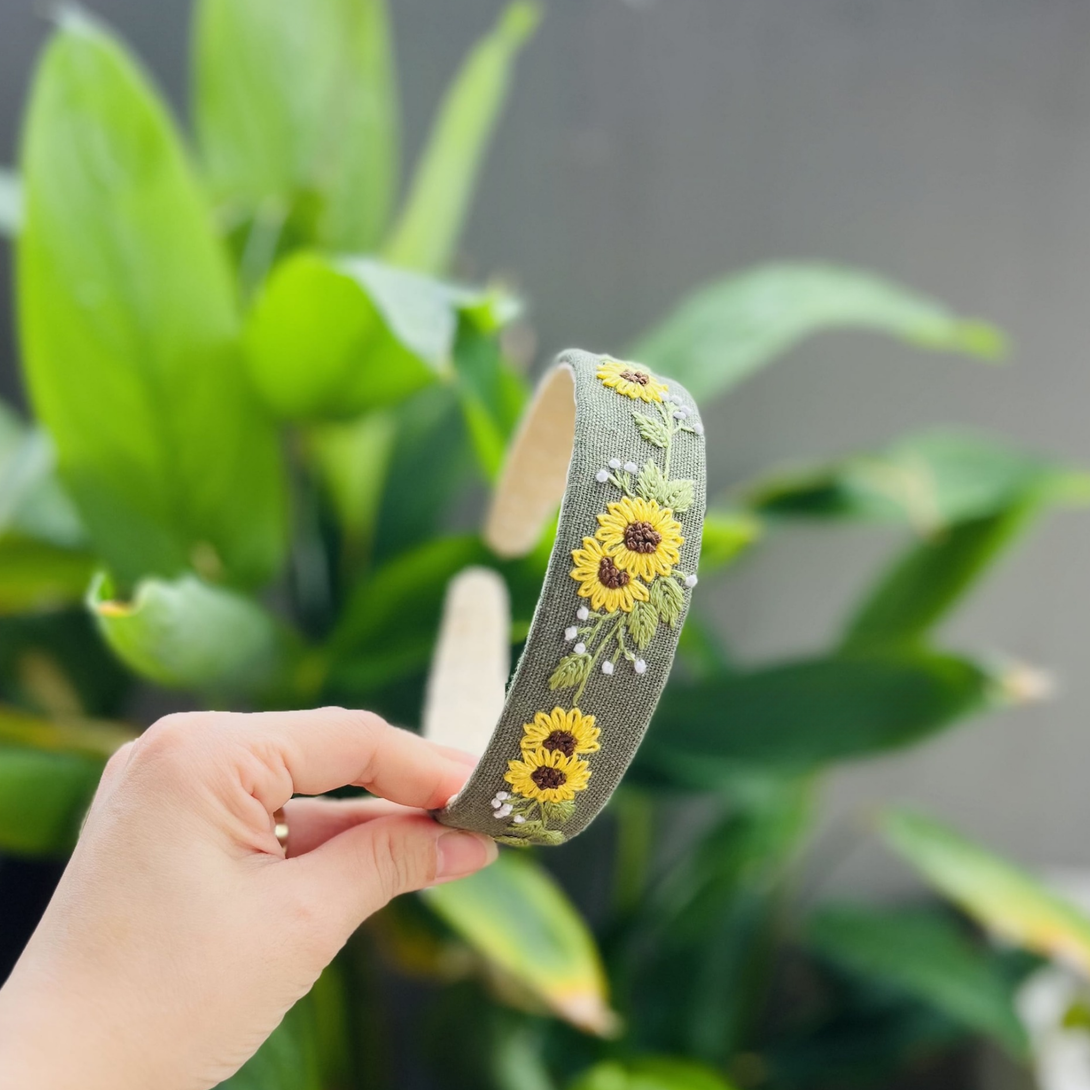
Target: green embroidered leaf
[(526, 828), (559, 811), (668, 600), (572, 671), (652, 484), (514, 842), (652, 429), (642, 623), (678, 495)]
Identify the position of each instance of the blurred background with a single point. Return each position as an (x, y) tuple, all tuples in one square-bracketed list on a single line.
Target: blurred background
[(649, 147)]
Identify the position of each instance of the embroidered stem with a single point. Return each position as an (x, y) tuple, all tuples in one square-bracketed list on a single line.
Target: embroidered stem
[(594, 660)]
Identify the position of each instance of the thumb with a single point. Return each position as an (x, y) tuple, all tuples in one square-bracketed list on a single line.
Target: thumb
[(358, 871)]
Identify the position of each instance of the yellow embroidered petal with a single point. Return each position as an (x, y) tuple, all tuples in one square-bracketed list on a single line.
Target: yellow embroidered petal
[(641, 537), (547, 775), (632, 380), (602, 581), (567, 732)]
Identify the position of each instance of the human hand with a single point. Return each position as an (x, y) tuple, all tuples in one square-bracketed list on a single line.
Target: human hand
[(180, 933)]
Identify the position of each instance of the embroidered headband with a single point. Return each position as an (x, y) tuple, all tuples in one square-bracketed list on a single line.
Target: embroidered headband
[(623, 451)]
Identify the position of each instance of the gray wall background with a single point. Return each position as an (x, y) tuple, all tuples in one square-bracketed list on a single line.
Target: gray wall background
[(651, 146)]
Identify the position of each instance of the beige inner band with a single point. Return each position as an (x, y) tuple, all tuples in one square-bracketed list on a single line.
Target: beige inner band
[(471, 664)]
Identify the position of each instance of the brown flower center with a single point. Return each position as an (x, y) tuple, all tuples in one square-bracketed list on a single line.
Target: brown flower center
[(609, 575), (641, 537), (548, 779), (636, 376), (563, 741)]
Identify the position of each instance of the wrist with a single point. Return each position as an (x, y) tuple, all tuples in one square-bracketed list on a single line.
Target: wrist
[(51, 1037)]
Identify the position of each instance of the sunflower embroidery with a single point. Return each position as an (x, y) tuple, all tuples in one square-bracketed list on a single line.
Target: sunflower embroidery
[(560, 731), (547, 775), (600, 579), (630, 584), (631, 380), (642, 538)]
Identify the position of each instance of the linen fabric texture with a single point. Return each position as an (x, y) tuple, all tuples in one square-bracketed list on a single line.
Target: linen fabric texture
[(609, 455)]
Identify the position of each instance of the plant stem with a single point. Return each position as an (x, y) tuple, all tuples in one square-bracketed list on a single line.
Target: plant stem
[(635, 828), (594, 660)]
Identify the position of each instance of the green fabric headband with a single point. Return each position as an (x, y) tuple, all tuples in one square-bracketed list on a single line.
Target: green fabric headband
[(625, 455)]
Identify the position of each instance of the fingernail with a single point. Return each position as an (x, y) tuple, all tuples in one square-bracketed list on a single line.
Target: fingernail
[(459, 854)]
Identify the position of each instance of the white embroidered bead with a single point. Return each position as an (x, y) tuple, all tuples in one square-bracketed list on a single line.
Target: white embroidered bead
[(582, 613), (639, 666), (615, 463), (496, 804), (602, 476), (518, 819), (690, 580), (630, 467), (570, 633), (680, 414), (503, 811), (607, 668), (580, 648), (501, 795), (698, 428)]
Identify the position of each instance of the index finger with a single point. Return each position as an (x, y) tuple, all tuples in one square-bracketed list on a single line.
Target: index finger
[(311, 752)]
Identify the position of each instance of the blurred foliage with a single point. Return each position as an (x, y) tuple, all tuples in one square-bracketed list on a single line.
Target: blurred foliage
[(261, 405)]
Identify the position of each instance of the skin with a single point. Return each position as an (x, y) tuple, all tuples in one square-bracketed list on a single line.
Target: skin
[(181, 933)]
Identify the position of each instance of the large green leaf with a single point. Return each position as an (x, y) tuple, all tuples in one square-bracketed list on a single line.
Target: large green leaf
[(803, 714), (429, 224), (728, 330), (493, 395), (41, 564), (431, 467), (43, 797), (11, 203), (97, 738), (351, 459), (129, 327), (651, 1073), (331, 337), (389, 624), (726, 534), (36, 576), (32, 502), (57, 663), (308, 1050), (929, 481), (520, 922), (926, 956), (998, 894), (190, 634), (296, 110), (930, 577), (694, 963)]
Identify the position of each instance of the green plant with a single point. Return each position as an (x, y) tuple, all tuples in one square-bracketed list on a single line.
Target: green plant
[(262, 406)]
